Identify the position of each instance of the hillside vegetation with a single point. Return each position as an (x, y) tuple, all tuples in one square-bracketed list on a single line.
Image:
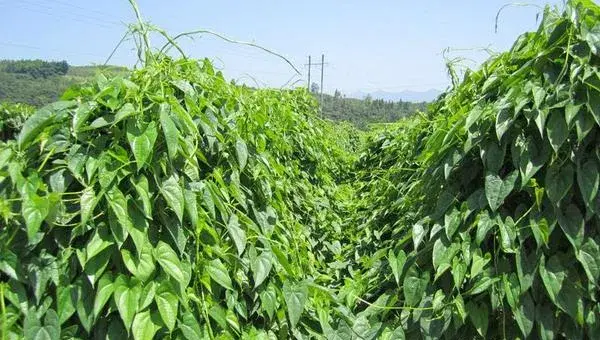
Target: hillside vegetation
[(37, 82), (172, 203), (362, 112)]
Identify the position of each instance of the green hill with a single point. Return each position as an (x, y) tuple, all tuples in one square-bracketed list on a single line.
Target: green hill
[(37, 82)]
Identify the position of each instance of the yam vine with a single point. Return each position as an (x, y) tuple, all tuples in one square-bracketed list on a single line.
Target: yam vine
[(171, 203)]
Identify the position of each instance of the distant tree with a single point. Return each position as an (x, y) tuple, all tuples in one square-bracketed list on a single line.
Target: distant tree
[(364, 112), (35, 68), (314, 88)]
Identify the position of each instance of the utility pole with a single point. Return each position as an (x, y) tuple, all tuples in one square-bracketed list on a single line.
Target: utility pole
[(309, 67), (322, 67)]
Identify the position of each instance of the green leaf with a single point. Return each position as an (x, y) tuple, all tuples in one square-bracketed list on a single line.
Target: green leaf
[(540, 120), (544, 316), (83, 112), (504, 120), (459, 271), (96, 265), (508, 234), (100, 240), (148, 293), (418, 233), (116, 330), (479, 263), (85, 303), (218, 314), (282, 259), (261, 266), (237, 234), (167, 306), (497, 189), (118, 204), (241, 151), (33, 329), (141, 140), (169, 261), (141, 265), (34, 125), (34, 210), (558, 182), (87, 203), (144, 326), (526, 268), (524, 314), (191, 206), (173, 194), (482, 285), (127, 296), (397, 263), (512, 290), (484, 224), (104, 292), (268, 300), (452, 222), (553, 274), (218, 272), (185, 87), (143, 194), (478, 314), (414, 286), (189, 326), (539, 93), (494, 157), (593, 97), (557, 128), (532, 158), (572, 223), (571, 111), (170, 130), (541, 230), (125, 111), (560, 289), (584, 123), (295, 295), (65, 301), (589, 257), (396, 334), (588, 180)]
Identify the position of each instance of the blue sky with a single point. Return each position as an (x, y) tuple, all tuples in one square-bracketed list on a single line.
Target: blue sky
[(369, 45)]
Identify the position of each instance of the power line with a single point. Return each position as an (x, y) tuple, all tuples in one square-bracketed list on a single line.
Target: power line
[(75, 14), (72, 17), (83, 8), (47, 49)]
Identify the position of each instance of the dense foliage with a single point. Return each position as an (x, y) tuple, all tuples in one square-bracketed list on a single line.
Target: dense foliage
[(35, 68), (486, 209), (170, 203), (28, 88), (12, 117), (362, 112)]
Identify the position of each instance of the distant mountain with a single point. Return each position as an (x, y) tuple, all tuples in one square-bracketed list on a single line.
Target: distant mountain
[(405, 96)]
